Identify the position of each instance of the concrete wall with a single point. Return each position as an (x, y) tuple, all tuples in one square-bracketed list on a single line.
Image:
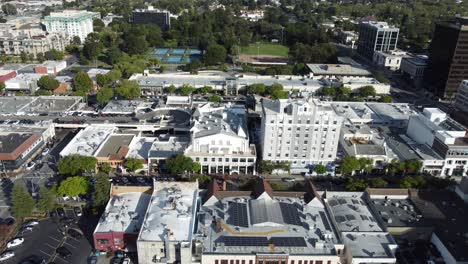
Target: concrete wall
[(117, 190)]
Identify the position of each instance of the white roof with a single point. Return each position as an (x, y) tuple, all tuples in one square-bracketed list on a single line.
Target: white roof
[(87, 141), (171, 212), (124, 213)]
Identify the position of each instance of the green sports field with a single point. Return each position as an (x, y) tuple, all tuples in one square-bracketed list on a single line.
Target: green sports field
[(265, 49)]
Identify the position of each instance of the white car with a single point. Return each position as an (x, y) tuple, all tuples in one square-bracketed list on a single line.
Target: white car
[(15, 242), (30, 165), (45, 151), (31, 223), (6, 255)]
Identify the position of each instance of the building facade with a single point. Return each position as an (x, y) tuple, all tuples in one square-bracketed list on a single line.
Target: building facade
[(448, 58), (74, 23), (300, 132), (461, 99), (376, 36), (413, 69), (220, 140), (162, 18), (15, 45), (389, 60)]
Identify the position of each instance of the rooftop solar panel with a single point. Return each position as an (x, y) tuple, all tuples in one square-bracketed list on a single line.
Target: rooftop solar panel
[(325, 221), (350, 217), (333, 203), (288, 242), (340, 218), (245, 241), (290, 214), (237, 215)]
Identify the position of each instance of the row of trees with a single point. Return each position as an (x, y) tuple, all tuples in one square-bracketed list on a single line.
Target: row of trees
[(77, 165), (350, 165), (274, 91), (420, 182), (344, 93)]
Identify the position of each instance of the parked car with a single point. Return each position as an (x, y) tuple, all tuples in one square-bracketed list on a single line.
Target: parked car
[(26, 230), (116, 260), (77, 210), (45, 151), (74, 233), (67, 220), (30, 165), (60, 212), (288, 179), (31, 223), (63, 252), (6, 255), (126, 261), (15, 242), (92, 260)]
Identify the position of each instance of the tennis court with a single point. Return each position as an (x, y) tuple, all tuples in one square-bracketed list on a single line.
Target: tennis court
[(175, 55)]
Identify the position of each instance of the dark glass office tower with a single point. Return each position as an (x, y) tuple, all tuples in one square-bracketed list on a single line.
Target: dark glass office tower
[(152, 16), (448, 57), (376, 36)]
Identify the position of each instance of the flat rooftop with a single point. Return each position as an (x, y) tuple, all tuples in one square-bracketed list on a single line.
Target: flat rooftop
[(124, 213), (120, 106), (351, 212), (166, 147), (337, 69), (115, 147), (38, 104), (140, 147), (171, 212), (397, 212), (370, 245), (87, 141)]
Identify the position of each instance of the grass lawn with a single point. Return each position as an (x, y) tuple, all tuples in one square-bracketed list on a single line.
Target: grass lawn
[(265, 49)]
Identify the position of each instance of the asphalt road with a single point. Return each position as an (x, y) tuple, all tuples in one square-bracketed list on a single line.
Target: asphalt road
[(46, 238)]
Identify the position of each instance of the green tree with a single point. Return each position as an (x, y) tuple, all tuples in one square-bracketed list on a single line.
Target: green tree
[(355, 185), (194, 66), (276, 186), (132, 164), (128, 89), (386, 99), (205, 90), (377, 183), (394, 167), (42, 92), (73, 186), (48, 83), (407, 182), (24, 57), (180, 164), (113, 75), (9, 9), (276, 91), (215, 98), (215, 54), (256, 88), (105, 168), (92, 46), (320, 169), (349, 164), (101, 191), (76, 41), (40, 57), (186, 90), (102, 80), (412, 165), (136, 44), (98, 25), (327, 91), (53, 54), (76, 164), (22, 204), (170, 89), (367, 91), (46, 200), (2, 86), (366, 165), (104, 95), (82, 82), (380, 77)]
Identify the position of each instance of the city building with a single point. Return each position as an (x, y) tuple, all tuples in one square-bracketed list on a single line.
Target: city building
[(462, 189), (164, 147), (114, 150), (335, 71), (162, 18), (121, 221), (51, 67), (252, 15), (413, 69), (349, 37), (390, 60), (445, 136), (376, 36), (88, 141), (461, 98), (448, 58), (219, 140), (167, 231), (364, 142), (19, 144), (37, 42), (264, 226), (75, 23), (26, 82), (298, 131), (35, 105)]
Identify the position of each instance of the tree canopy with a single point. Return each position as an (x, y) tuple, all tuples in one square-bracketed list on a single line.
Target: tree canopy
[(46, 200), (48, 83), (132, 164), (101, 190), (22, 202), (128, 89), (76, 164), (180, 164), (73, 186), (82, 82), (215, 54), (104, 95)]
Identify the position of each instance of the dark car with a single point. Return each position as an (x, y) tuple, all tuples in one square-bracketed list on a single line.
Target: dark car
[(116, 260), (63, 252), (74, 233), (26, 230), (77, 210), (60, 212)]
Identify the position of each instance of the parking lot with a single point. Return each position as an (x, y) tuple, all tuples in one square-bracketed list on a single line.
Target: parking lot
[(48, 236)]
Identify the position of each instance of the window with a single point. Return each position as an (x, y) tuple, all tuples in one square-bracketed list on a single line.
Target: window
[(197, 159), (216, 262), (220, 159), (161, 250), (232, 261), (226, 159), (237, 261), (235, 160), (213, 159), (290, 122), (250, 160), (205, 159), (242, 160), (103, 242)]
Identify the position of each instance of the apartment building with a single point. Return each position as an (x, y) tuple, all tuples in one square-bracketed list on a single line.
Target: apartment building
[(72, 22), (298, 131)]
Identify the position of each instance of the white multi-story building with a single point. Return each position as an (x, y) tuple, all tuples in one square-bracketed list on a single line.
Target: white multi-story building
[(72, 22), (390, 59), (220, 140), (461, 98), (300, 132), (444, 135)]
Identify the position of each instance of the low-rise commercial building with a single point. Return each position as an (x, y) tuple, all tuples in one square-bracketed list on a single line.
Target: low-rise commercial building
[(335, 71), (23, 83)]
